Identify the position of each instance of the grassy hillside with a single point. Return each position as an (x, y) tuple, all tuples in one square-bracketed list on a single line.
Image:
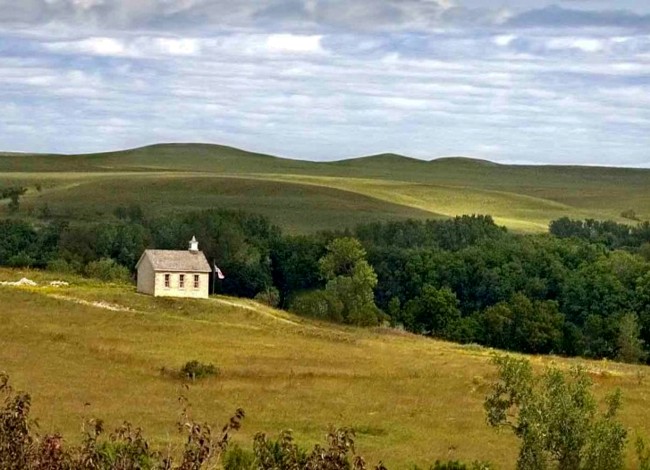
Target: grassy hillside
[(295, 206), (411, 399), (304, 196)]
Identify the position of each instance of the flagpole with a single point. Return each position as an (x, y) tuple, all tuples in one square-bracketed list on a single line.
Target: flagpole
[(214, 276)]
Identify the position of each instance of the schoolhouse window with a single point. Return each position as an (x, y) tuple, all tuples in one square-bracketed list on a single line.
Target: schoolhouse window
[(167, 276), (181, 281), (196, 281)]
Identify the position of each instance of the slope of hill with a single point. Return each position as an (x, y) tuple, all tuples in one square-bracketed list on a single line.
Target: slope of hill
[(410, 399), (391, 186), (296, 206)]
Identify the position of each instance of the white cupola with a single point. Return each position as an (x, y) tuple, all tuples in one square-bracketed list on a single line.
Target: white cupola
[(194, 245)]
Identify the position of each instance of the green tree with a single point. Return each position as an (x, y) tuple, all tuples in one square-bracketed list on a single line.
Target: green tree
[(294, 262), (432, 312), (351, 280), (642, 306), (16, 239), (342, 257), (556, 418), (644, 251), (630, 345), (594, 289), (523, 325)]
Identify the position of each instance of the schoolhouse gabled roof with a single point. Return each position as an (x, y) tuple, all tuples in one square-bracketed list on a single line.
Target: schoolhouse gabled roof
[(176, 260)]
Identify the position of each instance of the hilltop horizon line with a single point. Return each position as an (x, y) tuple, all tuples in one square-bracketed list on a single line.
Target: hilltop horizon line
[(381, 155)]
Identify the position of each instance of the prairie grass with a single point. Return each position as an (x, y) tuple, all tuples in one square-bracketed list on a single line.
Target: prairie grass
[(295, 206), (411, 399)]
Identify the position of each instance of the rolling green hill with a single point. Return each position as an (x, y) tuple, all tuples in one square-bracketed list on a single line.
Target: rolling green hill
[(97, 350), (307, 196)]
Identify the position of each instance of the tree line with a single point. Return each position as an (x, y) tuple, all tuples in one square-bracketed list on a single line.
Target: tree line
[(583, 289)]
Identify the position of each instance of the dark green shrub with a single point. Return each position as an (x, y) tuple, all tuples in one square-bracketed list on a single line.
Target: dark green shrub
[(21, 260), (269, 296), (319, 304), (62, 266), (630, 214), (195, 370), (107, 269), (237, 458)]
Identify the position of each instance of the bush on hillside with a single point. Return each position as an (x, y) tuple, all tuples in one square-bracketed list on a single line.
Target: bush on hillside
[(269, 296), (21, 260), (63, 266), (319, 304), (108, 270), (195, 370), (630, 214)]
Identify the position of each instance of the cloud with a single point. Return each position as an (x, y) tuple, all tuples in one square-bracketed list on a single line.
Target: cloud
[(127, 47), (582, 44), (554, 16), (302, 16), (504, 39), (205, 15), (294, 43), (95, 46)]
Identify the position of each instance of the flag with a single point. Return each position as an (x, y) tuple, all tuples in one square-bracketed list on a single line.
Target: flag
[(218, 272)]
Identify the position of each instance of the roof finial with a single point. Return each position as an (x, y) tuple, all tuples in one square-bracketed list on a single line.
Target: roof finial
[(194, 245)]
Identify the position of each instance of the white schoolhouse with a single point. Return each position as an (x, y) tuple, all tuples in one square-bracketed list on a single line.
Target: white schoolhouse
[(174, 273)]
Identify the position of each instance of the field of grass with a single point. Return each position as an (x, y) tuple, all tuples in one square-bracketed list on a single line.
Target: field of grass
[(306, 196), (411, 400), (296, 206)]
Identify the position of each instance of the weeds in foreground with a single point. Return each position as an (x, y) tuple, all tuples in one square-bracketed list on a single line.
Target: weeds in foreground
[(643, 454), (21, 448)]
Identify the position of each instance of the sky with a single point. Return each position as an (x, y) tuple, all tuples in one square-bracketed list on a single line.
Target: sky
[(512, 81)]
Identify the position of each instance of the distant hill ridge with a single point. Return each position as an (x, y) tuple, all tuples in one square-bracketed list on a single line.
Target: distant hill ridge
[(308, 195), (216, 150), (163, 151)]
